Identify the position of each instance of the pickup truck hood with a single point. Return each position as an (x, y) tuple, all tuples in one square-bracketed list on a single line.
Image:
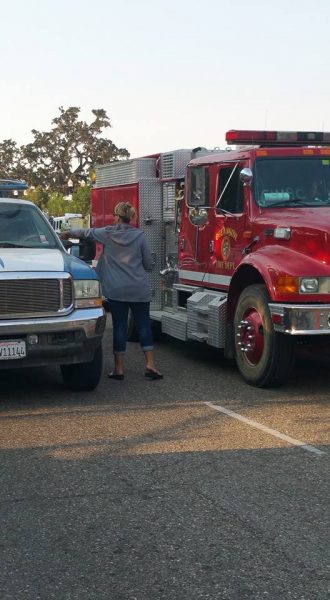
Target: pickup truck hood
[(43, 260)]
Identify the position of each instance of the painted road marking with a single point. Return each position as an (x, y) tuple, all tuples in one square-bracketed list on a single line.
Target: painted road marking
[(265, 429)]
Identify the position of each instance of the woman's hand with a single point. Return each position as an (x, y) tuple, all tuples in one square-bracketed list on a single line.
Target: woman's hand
[(64, 235)]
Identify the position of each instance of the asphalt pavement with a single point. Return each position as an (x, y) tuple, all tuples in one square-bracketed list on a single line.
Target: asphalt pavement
[(194, 487)]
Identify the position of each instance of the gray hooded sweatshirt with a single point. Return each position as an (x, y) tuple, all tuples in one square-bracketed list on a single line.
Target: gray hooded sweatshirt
[(125, 260)]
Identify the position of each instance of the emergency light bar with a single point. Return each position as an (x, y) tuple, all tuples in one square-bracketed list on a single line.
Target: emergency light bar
[(12, 184), (278, 138)]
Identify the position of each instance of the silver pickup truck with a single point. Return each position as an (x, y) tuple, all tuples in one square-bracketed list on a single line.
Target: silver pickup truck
[(50, 301)]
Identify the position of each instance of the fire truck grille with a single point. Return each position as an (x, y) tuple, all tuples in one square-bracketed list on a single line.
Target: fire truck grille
[(34, 296)]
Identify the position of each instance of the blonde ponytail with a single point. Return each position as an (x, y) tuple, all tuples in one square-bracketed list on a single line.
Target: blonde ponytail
[(125, 211)]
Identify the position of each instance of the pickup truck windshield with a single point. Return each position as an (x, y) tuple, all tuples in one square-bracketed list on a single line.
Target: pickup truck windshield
[(292, 182), (22, 226)]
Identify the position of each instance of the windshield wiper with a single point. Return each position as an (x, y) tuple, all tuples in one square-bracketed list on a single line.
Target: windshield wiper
[(11, 245), (285, 203)]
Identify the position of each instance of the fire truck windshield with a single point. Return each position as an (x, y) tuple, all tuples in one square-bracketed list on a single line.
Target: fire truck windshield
[(292, 182)]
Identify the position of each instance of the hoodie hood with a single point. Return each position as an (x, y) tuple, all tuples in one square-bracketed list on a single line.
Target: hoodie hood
[(121, 234)]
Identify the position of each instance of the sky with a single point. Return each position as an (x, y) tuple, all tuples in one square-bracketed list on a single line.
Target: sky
[(170, 74)]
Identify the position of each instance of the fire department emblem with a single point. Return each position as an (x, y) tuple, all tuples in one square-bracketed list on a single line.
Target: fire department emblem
[(225, 248)]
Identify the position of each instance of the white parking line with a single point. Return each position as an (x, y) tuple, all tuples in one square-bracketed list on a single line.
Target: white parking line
[(265, 429)]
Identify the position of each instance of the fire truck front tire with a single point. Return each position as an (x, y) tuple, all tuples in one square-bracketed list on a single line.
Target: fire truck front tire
[(264, 357), (83, 376)]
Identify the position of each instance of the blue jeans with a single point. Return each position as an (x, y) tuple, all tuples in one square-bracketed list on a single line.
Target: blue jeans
[(140, 311)]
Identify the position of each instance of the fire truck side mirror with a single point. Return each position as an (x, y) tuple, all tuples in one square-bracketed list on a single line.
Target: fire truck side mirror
[(198, 216), (246, 175)]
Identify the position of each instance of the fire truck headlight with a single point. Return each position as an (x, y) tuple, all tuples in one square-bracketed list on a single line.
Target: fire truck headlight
[(87, 293), (282, 233), (309, 285)]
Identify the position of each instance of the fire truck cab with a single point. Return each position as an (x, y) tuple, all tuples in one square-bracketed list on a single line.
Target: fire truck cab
[(241, 243)]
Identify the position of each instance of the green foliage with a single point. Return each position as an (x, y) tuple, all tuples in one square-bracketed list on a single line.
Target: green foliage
[(39, 196), (10, 161), (69, 151), (81, 201), (57, 205)]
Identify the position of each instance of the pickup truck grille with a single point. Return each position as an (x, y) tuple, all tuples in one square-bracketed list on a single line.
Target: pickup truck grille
[(31, 297)]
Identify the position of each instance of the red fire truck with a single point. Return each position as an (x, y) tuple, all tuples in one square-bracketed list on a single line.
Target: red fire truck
[(241, 241)]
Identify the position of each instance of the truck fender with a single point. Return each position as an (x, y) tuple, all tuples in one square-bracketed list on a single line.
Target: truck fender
[(247, 273)]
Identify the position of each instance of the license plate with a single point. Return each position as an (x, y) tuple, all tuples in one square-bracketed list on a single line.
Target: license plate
[(12, 349)]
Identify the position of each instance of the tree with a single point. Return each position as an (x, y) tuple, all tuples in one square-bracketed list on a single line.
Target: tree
[(57, 205), (69, 151), (10, 161), (39, 196), (81, 201)]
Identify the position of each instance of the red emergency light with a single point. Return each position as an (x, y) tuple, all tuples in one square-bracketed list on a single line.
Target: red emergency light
[(277, 138)]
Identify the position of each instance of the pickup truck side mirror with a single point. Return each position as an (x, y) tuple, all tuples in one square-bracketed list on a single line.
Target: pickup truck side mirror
[(84, 249), (87, 250)]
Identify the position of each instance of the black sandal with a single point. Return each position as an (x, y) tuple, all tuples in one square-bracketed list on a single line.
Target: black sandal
[(116, 376), (150, 374)]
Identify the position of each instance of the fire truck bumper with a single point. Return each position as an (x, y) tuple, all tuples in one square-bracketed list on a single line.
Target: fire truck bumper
[(297, 319)]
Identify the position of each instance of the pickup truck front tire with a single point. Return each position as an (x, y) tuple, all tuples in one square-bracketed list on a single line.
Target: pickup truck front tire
[(83, 376)]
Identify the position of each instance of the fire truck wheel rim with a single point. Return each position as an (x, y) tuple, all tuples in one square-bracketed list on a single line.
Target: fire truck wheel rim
[(251, 332)]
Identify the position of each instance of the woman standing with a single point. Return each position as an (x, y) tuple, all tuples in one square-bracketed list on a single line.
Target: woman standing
[(122, 269)]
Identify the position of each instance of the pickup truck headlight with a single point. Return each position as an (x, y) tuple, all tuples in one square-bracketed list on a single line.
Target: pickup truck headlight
[(87, 293)]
